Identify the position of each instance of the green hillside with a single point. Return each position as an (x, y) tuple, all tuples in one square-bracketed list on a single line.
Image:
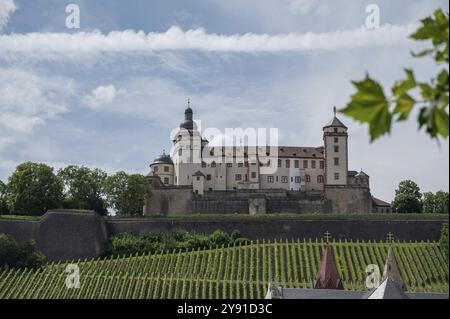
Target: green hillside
[(234, 272)]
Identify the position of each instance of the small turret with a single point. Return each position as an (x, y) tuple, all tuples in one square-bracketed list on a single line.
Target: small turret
[(163, 167)]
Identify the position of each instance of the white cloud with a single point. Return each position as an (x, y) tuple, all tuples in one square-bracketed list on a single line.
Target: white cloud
[(7, 7), (53, 45), (102, 95), (27, 100)]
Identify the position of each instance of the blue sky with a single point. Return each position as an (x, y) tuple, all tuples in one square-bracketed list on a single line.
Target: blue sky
[(110, 100)]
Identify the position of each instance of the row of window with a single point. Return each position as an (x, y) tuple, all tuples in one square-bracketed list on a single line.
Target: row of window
[(285, 179), (297, 164), (305, 163), (270, 179)]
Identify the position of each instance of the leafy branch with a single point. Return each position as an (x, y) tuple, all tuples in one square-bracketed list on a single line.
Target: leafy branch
[(371, 105)]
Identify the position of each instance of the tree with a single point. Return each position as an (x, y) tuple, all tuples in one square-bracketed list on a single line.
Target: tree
[(435, 202), (14, 255), (407, 198), (441, 202), (371, 105), (429, 203), (84, 188), (126, 194), (3, 198), (34, 189)]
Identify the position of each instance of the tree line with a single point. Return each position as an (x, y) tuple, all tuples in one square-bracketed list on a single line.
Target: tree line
[(409, 199), (35, 188)]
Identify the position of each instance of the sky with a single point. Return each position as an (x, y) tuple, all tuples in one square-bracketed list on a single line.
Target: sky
[(109, 93)]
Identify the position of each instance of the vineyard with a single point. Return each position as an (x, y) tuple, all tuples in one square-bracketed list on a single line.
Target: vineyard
[(226, 272)]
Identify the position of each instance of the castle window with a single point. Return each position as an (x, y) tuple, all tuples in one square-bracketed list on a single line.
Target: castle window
[(322, 165), (336, 148), (284, 179), (296, 164), (246, 177), (288, 164), (238, 177), (269, 179), (180, 151), (155, 169), (213, 164), (246, 164), (203, 164), (336, 140), (166, 180), (276, 179), (208, 177), (229, 164), (336, 176), (297, 179), (308, 178), (320, 179), (279, 163), (166, 168), (292, 179), (198, 178), (336, 161), (305, 164), (313, 164), (253, 174), (240, 164), (335, 130)]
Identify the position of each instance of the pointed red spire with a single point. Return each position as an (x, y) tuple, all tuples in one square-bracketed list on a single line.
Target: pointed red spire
[(328, 276)]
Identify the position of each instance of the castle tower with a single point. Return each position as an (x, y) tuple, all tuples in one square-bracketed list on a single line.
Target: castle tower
[(187, 149), (335, 139)]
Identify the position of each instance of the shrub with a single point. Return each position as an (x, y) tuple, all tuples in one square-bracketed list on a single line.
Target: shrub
[(128, 244), (14, 255)]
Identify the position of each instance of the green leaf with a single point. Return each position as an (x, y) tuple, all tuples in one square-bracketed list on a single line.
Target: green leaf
[(380, 124), (404, 106), (369, 105), (441, 120), (401, 87)]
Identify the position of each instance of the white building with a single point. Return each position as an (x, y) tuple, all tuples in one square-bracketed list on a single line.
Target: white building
[(195, 163)]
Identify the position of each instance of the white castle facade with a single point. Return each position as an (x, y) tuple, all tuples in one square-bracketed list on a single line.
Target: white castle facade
[(195, 163)]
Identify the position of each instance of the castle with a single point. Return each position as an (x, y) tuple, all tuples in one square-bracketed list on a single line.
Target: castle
[(201, 178)]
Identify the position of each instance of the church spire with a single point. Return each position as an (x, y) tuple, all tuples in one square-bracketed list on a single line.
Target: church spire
[(328, 276)]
